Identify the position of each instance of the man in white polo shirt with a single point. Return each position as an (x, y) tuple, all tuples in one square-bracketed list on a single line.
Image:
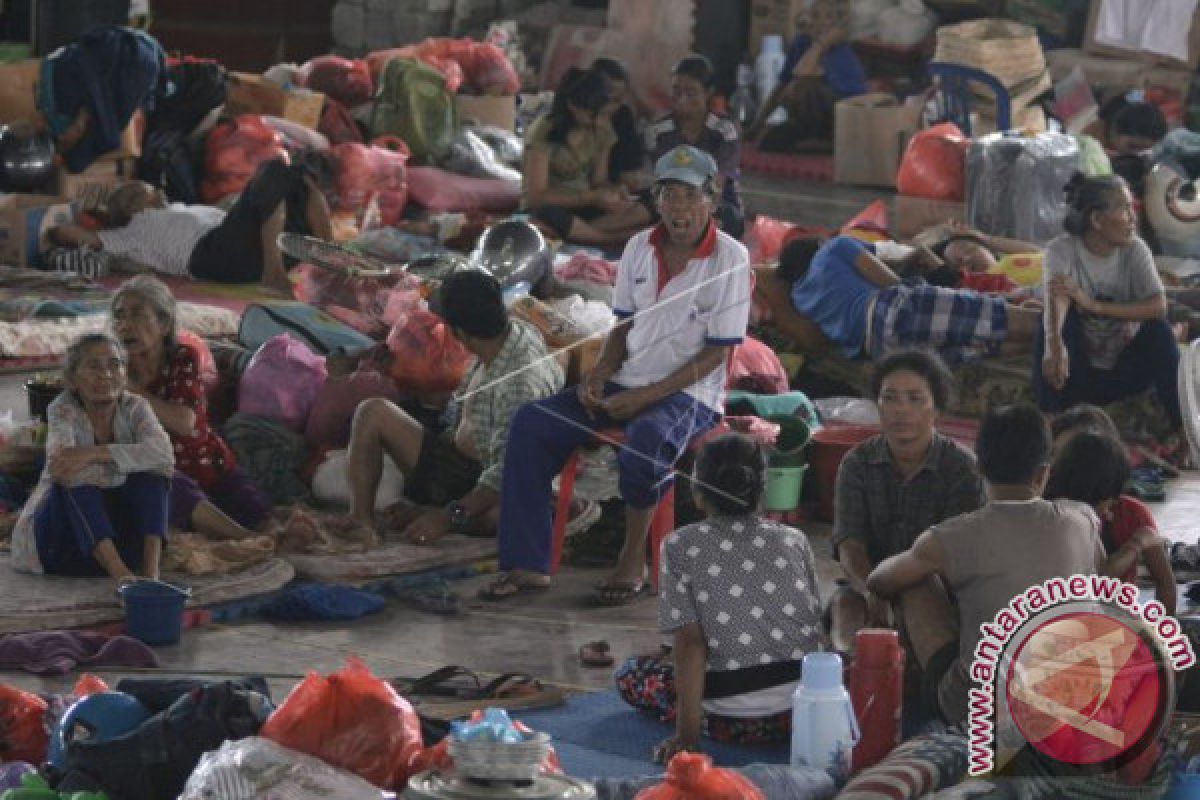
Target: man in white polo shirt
[(683, 296)]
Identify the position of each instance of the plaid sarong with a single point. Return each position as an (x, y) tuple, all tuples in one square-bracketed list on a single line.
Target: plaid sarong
[(960, 324)]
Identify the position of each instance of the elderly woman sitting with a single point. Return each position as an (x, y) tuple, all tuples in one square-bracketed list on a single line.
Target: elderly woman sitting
[(210, 494), (101, 504)]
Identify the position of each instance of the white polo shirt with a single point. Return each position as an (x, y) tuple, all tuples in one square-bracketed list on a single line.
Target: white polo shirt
[(708, 303)]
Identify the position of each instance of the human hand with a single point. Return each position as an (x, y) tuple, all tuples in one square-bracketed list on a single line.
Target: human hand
[(428, 528), (879, 611), (1062, 286), (627, 404), (69, 462), (1056, 366), (591, 391), (668, 748)]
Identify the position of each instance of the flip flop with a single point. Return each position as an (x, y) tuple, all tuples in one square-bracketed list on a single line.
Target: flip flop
[(619, 593), (506, 586), (596, 654), (451, 682)]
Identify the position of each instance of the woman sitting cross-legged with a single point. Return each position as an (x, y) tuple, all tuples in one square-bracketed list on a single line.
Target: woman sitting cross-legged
[(740, 595), (210, 493), (101, 504)]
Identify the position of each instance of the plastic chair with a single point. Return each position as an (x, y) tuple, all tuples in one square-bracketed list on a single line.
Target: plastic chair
[(661, 525), (955, 83)]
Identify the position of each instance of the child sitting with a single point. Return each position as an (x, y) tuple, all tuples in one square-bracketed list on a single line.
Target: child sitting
[(1090, 466)]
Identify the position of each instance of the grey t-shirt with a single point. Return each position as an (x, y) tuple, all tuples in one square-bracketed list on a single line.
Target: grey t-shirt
[(990, 556), (1127, 275)]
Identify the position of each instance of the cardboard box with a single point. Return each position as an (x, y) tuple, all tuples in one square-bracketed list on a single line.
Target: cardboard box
[(911, 215), (1095, 47), (1116, 75), (254, 94), (499, 111), (24, 221), (91, 187), (870, 134), (18, 91)]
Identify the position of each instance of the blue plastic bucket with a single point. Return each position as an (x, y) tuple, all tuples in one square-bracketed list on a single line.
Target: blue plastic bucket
[(154, 611)]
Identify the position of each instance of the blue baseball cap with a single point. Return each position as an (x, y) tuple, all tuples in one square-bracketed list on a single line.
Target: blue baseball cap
[(686, 164)]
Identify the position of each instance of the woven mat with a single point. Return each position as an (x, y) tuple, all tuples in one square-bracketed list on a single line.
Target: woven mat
[(393, 558), (43, 602)]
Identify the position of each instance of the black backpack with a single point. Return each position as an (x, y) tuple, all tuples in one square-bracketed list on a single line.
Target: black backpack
[(196, 88), (170, 165)]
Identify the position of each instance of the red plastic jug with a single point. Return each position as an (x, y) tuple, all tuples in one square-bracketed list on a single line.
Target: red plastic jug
[(877, 694)]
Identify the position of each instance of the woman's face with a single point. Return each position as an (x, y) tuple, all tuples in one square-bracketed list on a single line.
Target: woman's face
[(584, 118), (689, 98), (138, 326), (906, 408), (1117, 225), (969, 256), (618, 95), (100, 377)]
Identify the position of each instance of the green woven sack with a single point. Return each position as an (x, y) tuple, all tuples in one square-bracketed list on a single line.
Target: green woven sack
[(412, 102)]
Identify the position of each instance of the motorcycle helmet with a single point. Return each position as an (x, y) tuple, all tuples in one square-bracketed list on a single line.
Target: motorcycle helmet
[(26, 158), (514, 252), (96, 718)]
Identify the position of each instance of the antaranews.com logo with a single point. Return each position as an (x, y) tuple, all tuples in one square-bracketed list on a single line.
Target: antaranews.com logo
[(1079, 670)]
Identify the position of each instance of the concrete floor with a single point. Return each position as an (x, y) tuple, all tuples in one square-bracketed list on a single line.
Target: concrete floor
[(540, 634)]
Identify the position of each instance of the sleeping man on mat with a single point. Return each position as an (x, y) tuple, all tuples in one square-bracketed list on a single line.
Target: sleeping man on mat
[(207, 243)]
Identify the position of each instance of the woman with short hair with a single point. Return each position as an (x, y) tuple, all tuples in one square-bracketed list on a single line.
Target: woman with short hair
[(100, 506)]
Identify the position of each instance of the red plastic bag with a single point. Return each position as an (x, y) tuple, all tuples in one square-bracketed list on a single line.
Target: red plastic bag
[(691, 776), (873, 218), (439, 190), (364, 172), (345, 80), (233, 153), (351, 720), (765, 238), (755, 368), (934, 164), (23, 735), (337, 125), (490, 72), (425, 355)]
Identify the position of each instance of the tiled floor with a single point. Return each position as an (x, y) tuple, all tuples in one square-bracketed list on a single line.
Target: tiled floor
[(541, 634)]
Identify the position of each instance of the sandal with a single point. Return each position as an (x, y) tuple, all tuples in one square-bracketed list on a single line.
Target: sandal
[(453, 681), (596, 654), (507, 586), (619, 593)]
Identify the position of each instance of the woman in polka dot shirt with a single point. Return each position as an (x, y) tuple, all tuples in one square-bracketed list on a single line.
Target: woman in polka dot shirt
[(210, 494), (739, 594)]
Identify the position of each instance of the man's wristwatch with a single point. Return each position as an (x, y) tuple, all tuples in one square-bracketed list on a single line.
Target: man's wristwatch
[(458, 516)]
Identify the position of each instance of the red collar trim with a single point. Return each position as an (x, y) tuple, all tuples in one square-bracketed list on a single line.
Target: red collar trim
[(706, 247)]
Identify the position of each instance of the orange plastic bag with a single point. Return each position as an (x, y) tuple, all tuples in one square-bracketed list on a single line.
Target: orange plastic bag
[(233, 153), (691, 776), (353, 721), (425, 355), (23, 735), (345, 80), (934, 164)]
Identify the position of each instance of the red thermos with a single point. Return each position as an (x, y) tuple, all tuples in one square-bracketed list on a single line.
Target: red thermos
[(877, 694)]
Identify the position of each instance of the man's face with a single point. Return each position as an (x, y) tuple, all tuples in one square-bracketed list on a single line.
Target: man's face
[(685, 210)]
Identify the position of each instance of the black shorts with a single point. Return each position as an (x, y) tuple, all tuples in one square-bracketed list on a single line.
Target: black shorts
[(944, 685), (232, 252), (442, 473)]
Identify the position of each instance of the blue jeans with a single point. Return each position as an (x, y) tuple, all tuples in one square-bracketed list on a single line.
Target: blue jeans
[(1150, 359), (543, 436), (73, 520)]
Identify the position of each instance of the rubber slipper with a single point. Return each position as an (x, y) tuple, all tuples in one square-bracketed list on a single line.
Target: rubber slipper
[(619, 593), (452, 681), (505, 587), (596, 654)]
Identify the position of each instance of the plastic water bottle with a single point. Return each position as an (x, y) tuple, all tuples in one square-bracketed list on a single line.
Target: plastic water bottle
[(767, 68), (877, 692), (743, 107), (824, 730)]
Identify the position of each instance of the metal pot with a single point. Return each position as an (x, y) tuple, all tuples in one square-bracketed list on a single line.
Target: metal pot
[(26, 158), (435, 785)]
